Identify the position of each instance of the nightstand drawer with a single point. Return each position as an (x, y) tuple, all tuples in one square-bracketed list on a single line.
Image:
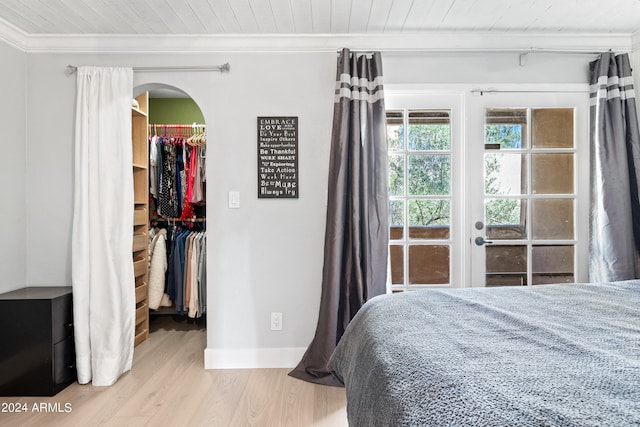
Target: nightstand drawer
[(64, 363), (62, 325)]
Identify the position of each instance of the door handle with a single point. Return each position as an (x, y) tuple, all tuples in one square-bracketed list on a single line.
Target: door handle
[(480, 241)]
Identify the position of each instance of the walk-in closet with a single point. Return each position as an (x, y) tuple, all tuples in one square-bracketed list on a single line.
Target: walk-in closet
[(175, 201)]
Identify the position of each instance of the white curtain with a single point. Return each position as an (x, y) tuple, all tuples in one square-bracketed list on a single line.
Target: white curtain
[(101, 266)]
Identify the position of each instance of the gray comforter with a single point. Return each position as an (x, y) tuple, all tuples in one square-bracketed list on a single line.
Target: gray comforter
[(556, 355)]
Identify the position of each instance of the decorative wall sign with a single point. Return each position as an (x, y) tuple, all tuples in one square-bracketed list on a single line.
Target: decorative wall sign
[(278, 157)]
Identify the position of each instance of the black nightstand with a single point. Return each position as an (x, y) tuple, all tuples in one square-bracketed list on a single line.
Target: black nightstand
[(37, 353)]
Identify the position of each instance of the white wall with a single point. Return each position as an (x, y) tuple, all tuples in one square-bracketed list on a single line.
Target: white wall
[(12, 171), (486, 68), (49, 177), (267, 255)]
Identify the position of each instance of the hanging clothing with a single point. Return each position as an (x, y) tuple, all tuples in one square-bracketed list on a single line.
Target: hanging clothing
[(168, 191), (177, 176), (203, 166), (153, 166), (192, 167), (193, 279), (187, 273), (202, 274), (180, 183), (157, 267), (176, 270), (186, 280), (187, 188), (197, 195)]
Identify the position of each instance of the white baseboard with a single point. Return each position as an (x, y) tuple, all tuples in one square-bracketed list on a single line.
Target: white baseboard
[(252, 358)]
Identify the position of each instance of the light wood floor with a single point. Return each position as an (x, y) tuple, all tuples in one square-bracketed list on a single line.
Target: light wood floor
[(168, 386)]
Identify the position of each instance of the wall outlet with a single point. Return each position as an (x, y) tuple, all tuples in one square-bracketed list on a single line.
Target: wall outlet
[(276, 321)]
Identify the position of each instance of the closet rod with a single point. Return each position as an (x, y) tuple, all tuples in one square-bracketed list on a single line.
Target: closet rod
[(177, 126), (198, 219), (224, 68)]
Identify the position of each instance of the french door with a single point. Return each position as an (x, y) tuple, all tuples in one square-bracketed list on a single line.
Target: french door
[(528, 188), (487, 190)]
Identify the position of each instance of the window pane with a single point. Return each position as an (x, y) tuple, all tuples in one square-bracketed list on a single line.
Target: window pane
[(396, 219), (429, 219), (395, 130), (505, 218), (429, 265), (429, 174), (552, 173), (506, 265), (505, 128), (429, 130), (505, 174), (396, 254), (552, 264), (396, 175), (552, 128), (552, 219)]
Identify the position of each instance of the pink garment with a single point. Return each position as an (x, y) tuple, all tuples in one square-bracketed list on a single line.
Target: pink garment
[(187, 209), (196, 173), (193, 154)]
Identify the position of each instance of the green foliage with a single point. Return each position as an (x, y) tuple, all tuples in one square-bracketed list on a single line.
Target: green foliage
[(429, 137), (429, 212), (500, 211), (508, 136), (429, 174), (396, 213), (395, 137), (396, 175)]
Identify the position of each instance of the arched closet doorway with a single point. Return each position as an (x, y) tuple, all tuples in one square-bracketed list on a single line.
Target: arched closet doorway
[(175, 225)]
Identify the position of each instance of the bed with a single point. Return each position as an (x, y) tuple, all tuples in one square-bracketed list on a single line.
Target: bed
[(552, 355)]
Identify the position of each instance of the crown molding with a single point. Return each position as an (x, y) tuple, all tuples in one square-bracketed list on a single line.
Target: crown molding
[(12, 35), (388, 42), (635, 41)]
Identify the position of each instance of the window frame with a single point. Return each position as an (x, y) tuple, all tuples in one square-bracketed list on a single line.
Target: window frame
[(452, 101)]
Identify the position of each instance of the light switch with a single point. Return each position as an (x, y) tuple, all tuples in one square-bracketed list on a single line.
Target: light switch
[(234, 199)]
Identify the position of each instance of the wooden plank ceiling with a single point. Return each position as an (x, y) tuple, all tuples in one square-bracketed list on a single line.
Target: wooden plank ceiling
[(319, 16)]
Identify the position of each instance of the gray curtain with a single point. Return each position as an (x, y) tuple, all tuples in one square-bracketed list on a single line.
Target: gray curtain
[(357, 230), (615, 167)]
